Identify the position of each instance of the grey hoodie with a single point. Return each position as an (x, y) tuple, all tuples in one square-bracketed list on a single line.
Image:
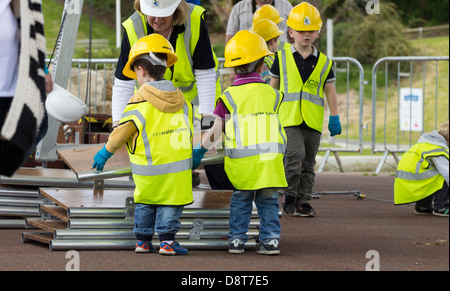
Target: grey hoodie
[(441, 163)]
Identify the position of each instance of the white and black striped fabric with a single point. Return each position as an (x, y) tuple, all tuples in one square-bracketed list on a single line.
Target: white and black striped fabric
[(27, 108)]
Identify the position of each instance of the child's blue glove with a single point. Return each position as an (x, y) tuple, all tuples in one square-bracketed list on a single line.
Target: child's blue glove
[(334, 125), (197, 155), (100, 159)]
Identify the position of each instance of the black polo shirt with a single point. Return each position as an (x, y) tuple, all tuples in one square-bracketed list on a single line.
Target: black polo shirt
[(305, 66), (203, 58)]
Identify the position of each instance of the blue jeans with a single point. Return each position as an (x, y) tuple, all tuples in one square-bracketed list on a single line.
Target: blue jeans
[(266, 201), (164, 220)]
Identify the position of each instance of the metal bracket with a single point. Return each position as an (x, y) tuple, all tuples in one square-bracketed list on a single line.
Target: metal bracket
[(99, 184), (130, 206)]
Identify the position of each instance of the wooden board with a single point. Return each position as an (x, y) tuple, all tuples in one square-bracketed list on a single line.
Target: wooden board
[(47, 224), (56, 211), (115, 198), (107, 198), (43, 237), (42, 173), (81, 159)]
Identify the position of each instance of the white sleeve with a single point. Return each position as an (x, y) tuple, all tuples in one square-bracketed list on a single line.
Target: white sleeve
[(122, 91), (441, 164), (206, 89)]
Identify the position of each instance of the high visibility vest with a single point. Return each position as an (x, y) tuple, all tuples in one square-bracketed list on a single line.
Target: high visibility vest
[(416, 178), (255, 141), (269, 61), (161, 157), (183, 71), (302, 102), (283, 45)]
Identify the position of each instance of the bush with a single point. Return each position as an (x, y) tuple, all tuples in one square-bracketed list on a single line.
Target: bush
[(372, 36)]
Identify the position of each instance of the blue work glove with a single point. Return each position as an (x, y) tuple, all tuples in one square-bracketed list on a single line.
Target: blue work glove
[(100, 159), (334, 125), (197, 155)]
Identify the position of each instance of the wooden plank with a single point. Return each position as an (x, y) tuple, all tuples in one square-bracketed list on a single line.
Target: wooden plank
[(43, 237), (47, 224), (116, 198), (56, 211), (107, 198), (80, 159), (45, 173)]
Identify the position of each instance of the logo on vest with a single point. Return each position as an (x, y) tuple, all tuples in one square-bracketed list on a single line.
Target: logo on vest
[(312, 83)]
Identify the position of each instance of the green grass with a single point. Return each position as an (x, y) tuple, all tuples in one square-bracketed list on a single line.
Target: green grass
[(53, 10)]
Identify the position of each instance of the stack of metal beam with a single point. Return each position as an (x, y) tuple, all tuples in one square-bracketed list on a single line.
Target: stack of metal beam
[(20, 198), (107, 228), (17, 204)]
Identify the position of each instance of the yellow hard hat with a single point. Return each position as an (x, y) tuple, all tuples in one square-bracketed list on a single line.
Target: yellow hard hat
[(148, 45), (244, 48), (267, 12), (267, 29), (304, 17)]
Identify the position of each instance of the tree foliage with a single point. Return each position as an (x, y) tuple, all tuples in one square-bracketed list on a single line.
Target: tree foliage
[(369, 37)]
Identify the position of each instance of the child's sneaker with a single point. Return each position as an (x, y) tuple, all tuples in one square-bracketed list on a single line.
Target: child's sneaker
[(144, 247), (423, 210), (172, 249), (236, 246), (305, 210), (270, 248), (441, 212)]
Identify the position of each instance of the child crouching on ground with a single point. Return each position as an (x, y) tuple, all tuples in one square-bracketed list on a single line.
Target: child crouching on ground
[(423, 174), (255, 143), (157, 126)]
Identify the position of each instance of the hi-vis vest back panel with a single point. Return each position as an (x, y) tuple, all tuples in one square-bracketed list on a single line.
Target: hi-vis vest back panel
[(416, 178), (161, 157), (183, 71), (302, 102), (255, 141)]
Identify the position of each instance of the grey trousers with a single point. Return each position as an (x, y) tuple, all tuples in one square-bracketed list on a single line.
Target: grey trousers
[(299, 161)]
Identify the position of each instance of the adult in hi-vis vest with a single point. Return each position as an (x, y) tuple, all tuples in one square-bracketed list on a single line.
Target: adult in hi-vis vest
[(157, 127), (195, 72), (303, 74), (423, 174)]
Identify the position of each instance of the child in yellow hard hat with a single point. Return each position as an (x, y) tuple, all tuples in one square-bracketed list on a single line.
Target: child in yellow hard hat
[(255, 143), (157, 127), (269, 12), (269, 31), (303, 74)]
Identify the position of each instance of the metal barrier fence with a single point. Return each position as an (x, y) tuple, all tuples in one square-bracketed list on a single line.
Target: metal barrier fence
[(349, 80), (409, 115), (350, 73)]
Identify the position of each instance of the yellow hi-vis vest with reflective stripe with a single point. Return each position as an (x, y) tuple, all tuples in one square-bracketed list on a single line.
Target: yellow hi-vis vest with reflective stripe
[(161, 157), (255, 141), (183, 71), (302, 102), (416, 177)]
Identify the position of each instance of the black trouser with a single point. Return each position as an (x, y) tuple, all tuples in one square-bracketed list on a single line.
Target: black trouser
[(437, 200)]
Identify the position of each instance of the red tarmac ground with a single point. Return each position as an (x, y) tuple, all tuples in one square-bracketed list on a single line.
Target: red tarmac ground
[(340, 237)]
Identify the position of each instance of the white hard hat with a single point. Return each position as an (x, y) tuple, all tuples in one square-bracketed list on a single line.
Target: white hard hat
[(64, 106), (159, 8)]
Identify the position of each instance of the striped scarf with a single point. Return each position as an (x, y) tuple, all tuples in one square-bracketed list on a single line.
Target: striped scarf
[(27, 108)]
